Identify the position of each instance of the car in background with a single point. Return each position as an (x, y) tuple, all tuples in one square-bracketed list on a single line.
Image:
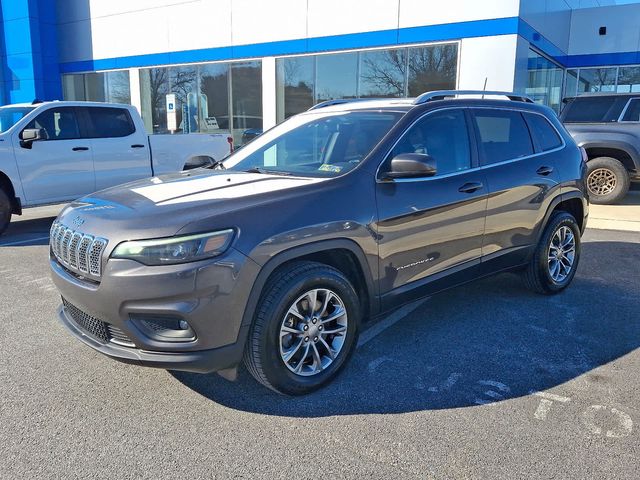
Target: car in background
[(607, 126), (250, 134), (54, 152)]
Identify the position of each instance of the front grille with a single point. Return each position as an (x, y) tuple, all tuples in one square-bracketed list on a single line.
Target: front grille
[(97, 329), (78, 252)]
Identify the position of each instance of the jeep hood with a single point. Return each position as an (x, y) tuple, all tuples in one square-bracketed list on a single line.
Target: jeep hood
[(161, 206)]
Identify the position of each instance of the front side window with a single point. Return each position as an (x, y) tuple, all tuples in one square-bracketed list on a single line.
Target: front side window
[(59, 123), (632, 113), (441, 135), (315, 144), (543, 131), (110, 122), (502, 135)]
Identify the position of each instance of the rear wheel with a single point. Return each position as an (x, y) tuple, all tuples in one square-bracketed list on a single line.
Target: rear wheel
[(607, 180), (5, 211), (305, 329), (556, 257)]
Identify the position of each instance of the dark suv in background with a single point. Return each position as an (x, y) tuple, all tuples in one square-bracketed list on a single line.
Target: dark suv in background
[(607, 126), (279, 255)]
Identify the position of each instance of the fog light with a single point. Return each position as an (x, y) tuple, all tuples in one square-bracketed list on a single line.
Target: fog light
[(164, 329)]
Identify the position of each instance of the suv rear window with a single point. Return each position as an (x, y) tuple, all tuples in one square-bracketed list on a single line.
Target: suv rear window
[(110, 122), (503, 135), (543, 131), (594, 109), (632, 113)]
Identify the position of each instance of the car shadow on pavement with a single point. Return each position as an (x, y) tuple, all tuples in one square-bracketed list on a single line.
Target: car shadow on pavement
[(484, 342), (27, 232)]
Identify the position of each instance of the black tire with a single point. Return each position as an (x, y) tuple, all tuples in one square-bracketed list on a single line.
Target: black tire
[(5, 211), (598, 170), (537, 275), (262, 354)]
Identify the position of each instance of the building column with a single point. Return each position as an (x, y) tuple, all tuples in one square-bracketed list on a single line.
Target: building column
[(268, 93), (28, 51)]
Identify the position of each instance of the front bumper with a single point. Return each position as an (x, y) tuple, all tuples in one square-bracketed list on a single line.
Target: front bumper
[(210, 295)]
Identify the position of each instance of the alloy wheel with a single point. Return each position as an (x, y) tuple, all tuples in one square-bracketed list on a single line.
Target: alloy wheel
[(601, 181), (562, 254)]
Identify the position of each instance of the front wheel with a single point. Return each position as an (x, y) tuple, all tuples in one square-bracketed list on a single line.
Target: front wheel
[(555, 260), (607, 180), (305, 328), (5, 211)]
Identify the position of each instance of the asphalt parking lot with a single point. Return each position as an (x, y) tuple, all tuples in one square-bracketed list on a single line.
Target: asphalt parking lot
[(484, 381)]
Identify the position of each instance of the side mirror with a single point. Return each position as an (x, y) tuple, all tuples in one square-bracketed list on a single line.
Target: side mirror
[(30, 135), (412, 165)]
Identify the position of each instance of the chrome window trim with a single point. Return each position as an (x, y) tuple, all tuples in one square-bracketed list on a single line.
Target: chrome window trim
[(624, 110), (472, 169)]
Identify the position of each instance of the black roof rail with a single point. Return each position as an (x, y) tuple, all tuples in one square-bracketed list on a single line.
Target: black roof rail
[(442, 94), (340, 101)]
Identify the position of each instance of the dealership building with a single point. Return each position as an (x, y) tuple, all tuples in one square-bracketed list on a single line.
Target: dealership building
[(249, 64)]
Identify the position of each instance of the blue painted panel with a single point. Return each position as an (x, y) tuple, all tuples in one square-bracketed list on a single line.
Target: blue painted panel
[(476, 28), (14, 9), (285, 47), (602, 59), (353, 40), (18, 36), (534, 37)]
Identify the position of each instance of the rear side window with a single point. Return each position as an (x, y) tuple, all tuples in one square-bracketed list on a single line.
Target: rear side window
[(502, 135), (632, 113), (109, 122), (543, 131), (443, 135), (594, 109), (59, 123)]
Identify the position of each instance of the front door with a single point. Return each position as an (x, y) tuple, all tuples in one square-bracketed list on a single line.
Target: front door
[(431, 227), (59, 168)]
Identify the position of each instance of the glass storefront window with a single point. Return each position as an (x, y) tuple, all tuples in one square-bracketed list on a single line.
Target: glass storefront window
[(183, 83), (214, 97), (295, 84), (154, 87), (629, 79), (432, 68), (337, 76), (544, 82), (597, 80), (571, 83), (246, 105), (383, 73), (110, 87)]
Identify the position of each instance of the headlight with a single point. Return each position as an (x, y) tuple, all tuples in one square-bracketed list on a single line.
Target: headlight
[(167, 251)]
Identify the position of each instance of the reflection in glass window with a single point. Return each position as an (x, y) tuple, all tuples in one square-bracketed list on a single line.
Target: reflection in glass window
[(432, 68), (73, 87), (214, 97), (183, 83), (295, 84), (629, 79), (336, 76), (246, 94), (110, 87), (544, 81), (383, 73), (571, 83), (597, 80), (154, 87)]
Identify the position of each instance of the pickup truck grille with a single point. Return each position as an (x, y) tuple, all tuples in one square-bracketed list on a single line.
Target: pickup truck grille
[(76, 251)]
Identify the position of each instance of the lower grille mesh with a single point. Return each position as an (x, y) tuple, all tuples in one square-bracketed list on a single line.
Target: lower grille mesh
[(96, 328)]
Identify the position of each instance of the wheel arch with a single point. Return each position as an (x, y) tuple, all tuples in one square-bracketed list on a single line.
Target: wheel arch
[(621, 151), (342, 254), (573, 203), (7, 186)]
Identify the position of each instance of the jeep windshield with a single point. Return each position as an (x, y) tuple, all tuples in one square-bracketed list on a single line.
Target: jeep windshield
[(315, 144), (9, 116)]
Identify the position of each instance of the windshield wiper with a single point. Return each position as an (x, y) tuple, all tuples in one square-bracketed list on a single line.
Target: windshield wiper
[(216, 164), (267, 171)]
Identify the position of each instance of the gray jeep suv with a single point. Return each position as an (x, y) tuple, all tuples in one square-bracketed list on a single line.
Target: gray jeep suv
[(282, 253)]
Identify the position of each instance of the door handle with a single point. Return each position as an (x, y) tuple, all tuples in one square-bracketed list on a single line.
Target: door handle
[(137, 145), (80, 149), (544, 171), (470, 187)]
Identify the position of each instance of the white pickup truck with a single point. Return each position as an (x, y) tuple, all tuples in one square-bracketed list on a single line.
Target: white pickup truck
[(54, 152)]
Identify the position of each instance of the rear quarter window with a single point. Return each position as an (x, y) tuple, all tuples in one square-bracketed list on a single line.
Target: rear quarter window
[(542, 130), (109, 122), (502, 135)]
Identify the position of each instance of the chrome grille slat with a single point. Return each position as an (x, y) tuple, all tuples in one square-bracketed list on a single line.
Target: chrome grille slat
[(79, 252)]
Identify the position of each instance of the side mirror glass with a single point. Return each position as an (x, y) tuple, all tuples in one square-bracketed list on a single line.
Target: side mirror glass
[(412, 165)]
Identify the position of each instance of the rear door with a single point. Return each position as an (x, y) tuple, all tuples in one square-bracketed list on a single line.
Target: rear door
[(59, 168), (431, 227), (521, 177), (120, 152)]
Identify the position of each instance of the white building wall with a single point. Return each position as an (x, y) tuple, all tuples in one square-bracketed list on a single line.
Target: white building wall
[(490, 58), (623, 30)]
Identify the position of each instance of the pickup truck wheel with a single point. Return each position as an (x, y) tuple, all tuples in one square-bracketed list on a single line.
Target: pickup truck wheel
[(5, 211), (607, 180), (555, 260), (305, 329)]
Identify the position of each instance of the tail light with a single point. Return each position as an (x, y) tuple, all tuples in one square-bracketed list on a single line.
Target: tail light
[(585, 157), (230, 140)]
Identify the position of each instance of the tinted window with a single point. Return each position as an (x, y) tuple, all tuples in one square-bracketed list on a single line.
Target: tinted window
[(594, 109), (59, 123), (632, 114), (503, 135), (9, 116), (442, 135), (543, 131), (110, 122)]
